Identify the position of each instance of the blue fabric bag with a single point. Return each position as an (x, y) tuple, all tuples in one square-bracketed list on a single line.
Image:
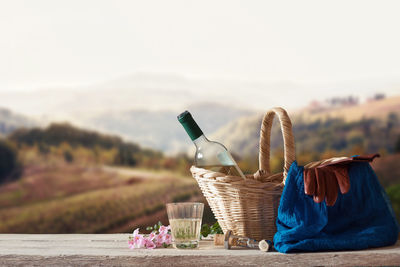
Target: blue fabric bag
[(362, 218)]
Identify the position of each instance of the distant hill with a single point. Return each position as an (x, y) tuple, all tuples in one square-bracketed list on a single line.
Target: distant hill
[(137, 91), (241, 136), (170, 91), (142, 107), (370, 109), (71, 138), (369, 127), (57, 133), (9, 121), (161, 129)]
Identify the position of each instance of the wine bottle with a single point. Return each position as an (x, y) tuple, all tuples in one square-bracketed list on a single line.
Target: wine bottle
[(209, 155)]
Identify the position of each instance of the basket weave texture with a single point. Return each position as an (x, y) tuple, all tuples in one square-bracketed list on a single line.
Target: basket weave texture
[(249, 206)]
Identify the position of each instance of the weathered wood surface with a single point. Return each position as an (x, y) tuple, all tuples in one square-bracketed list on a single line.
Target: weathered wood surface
[(112, 249)]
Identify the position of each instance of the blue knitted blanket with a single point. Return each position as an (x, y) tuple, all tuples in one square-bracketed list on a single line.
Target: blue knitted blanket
[(362, 218)]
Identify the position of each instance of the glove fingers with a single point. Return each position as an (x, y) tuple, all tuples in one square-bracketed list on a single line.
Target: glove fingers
[(331, 188), (309, 181), (343, 179), (319, 195), (336, 161)]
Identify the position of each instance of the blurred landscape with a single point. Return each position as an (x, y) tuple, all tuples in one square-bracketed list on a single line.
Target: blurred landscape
[(57, 177), (90, 91)]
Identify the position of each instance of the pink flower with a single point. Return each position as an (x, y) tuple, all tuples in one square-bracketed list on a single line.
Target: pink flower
[(131, 244), (164, 229), (159, 240), (153, 240), (168, 239), (136, 232), (149, 244), (152, 235), (138, 240)]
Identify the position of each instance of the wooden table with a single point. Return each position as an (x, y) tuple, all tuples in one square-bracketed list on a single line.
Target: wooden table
[(112, 249)]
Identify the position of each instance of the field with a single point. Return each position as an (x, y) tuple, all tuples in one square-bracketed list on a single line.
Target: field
[(74, 199)]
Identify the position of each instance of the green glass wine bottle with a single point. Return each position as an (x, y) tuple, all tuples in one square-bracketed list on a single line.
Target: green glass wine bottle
[(209, 154)]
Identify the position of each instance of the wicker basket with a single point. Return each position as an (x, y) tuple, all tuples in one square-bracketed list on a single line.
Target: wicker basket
[(249, 206)]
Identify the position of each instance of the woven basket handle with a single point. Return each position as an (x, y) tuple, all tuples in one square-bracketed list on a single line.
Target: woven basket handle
[(265, 140)]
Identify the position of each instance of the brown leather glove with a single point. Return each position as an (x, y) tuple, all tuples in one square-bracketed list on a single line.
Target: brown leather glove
[(323, 178)]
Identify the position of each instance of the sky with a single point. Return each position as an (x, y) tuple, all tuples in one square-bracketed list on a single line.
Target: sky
[(55, 44)]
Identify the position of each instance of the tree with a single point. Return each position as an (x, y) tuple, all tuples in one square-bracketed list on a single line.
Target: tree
[(397, 145), (391, 122), (68, 157), (9, 167), (125, 156)]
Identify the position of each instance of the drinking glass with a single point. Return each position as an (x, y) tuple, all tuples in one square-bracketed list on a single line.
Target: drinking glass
[(185, 221)]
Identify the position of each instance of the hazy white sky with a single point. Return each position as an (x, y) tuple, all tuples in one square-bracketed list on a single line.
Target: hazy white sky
[(47, 43)]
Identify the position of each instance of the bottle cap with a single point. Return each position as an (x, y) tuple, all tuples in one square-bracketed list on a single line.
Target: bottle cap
[(191, 127), (185, 116)]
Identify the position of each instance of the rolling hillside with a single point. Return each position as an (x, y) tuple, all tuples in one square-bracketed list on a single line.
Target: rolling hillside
[(338, 130), (371, 109), (160, 129)]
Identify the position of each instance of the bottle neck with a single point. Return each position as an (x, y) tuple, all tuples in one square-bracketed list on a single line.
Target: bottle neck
[(190, 125), (202, 139)]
